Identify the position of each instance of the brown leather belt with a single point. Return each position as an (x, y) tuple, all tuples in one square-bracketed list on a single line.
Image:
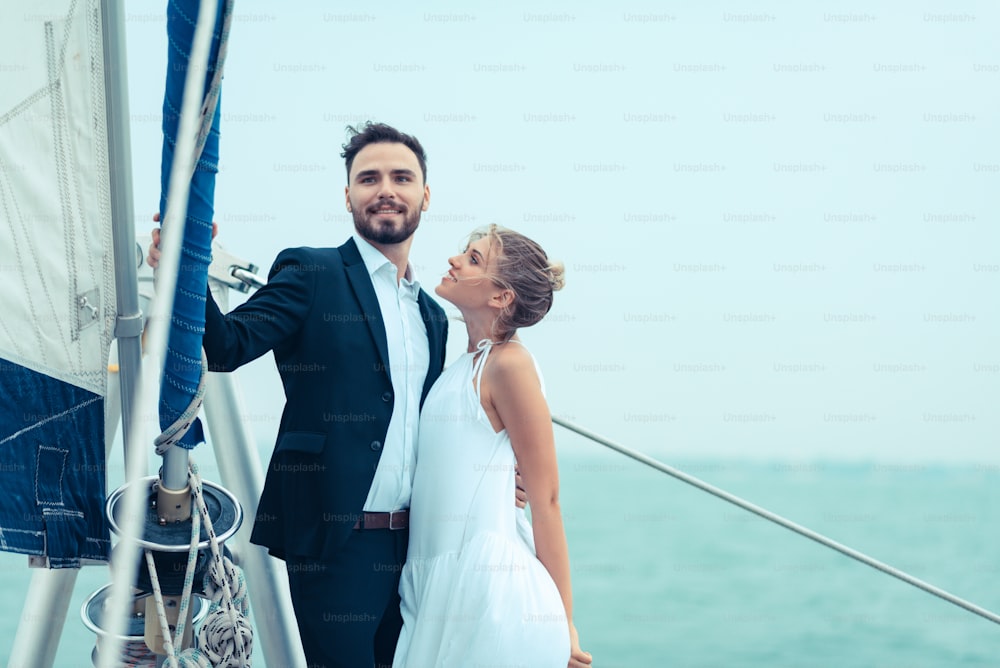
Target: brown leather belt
[(392, 521)]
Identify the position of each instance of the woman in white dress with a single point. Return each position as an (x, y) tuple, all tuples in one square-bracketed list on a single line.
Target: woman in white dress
[(480, 587)]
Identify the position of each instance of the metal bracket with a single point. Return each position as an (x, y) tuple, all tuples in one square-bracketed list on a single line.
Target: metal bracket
[(234, 272), (128, 326), (88, 309)]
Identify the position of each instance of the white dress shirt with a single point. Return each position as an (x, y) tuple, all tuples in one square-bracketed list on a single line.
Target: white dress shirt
[(409, 358)]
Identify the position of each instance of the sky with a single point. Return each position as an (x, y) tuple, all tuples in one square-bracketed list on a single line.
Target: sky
[(778, 221)]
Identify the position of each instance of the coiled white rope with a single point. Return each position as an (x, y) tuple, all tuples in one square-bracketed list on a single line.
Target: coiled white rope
[(225, 639), (228, 645)]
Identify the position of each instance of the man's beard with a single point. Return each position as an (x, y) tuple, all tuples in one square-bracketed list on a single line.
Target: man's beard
[(386, 233)]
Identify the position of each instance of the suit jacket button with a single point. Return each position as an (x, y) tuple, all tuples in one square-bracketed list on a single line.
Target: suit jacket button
[(376, 445), (387, 396)]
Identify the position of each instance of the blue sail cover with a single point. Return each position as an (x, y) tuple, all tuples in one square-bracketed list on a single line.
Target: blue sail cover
[(57, 292), (182, 369)]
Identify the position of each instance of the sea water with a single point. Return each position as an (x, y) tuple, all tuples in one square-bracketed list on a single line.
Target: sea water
[(668, 575)]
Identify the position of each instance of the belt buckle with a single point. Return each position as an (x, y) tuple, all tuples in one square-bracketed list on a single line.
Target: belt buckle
[(392, 528)]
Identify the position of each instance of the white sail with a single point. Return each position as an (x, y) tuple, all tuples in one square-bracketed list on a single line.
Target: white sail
[(57, 299)]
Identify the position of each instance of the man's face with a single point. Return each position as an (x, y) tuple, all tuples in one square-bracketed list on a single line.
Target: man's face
[(386, 193)]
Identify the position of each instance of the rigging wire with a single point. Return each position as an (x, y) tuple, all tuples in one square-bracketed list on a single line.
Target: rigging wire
[(779, 520)]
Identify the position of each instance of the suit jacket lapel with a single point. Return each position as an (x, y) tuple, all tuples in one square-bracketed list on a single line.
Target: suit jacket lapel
[(361, 283), (435, 323)]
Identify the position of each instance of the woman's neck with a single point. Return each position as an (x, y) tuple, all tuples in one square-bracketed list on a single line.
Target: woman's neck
[(479, 329)]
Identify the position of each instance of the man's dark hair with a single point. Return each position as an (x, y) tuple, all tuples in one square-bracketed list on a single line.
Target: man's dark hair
[(374, 133)]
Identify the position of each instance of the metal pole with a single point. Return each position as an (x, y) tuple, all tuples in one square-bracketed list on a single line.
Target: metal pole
[(42, 618), (241, 473), (128, 327)]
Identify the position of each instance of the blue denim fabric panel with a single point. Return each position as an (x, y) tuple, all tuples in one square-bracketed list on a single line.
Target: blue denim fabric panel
[(52, 468)]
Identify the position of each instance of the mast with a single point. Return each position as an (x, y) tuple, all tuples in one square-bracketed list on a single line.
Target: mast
[(128, 326)]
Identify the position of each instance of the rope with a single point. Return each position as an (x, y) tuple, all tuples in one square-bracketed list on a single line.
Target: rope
[(189, 575), (781, 521), (226, 636), (225, 639), (215, 87), (161, 615), (182, 424)]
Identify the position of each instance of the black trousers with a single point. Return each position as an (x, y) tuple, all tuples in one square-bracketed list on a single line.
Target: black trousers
[(347, 609)]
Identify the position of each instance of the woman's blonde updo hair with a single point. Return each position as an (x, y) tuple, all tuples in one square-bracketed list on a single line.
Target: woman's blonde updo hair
[(518, 264)]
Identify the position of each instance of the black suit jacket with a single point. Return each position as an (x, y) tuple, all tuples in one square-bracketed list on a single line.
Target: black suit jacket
[(320, 316)]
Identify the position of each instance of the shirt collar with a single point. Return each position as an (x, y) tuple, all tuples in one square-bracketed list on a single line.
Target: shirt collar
[(375, 261)]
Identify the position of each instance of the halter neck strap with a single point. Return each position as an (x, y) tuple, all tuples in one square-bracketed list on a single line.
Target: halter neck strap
[(483, 348)]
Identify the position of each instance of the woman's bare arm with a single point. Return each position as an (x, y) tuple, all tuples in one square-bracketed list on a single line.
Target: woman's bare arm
[(516, 395)]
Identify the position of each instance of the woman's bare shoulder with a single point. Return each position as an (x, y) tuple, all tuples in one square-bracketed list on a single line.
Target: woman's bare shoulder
[(513, 365)]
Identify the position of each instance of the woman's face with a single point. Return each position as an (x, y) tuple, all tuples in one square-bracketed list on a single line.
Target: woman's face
[(466, 282)]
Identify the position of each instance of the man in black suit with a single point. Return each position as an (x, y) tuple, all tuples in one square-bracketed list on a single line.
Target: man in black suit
[(357, 344)]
